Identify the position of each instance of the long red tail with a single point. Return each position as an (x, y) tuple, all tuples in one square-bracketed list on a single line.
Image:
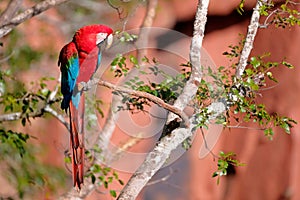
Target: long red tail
[(77, 141)]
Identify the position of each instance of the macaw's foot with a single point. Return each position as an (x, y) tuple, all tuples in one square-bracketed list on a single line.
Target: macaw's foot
[(85, 86)]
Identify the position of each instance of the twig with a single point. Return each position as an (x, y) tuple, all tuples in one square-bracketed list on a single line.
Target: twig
[(252, 30), (163, 179), (266, 24), (59, 117), (148, 96), (294, 3), (206, 145), (119, 11), (27, 14)]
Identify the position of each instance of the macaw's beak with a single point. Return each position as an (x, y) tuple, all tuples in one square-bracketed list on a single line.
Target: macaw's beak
[(109, 41)]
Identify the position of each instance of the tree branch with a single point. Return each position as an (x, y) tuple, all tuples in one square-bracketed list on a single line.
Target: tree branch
[(148, 96), (158, 156), (192, 84), (252, 30), (144, 33), (10, 11), (27, 14), (40, 112)]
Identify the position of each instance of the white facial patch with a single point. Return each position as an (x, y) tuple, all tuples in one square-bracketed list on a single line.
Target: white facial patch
[(100, 37), (109, 41)]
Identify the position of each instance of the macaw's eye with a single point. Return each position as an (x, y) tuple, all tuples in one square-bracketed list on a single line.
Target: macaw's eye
[(100, 37)]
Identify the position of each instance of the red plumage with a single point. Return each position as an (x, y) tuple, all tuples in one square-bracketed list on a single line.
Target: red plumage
[(79, 60)]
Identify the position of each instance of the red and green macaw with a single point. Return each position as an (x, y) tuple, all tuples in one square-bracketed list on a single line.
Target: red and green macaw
[(78, 61)]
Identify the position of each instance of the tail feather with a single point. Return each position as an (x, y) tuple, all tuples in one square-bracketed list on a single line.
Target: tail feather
[(77, 142)]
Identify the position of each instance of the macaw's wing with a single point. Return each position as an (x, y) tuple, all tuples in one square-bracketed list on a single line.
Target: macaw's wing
[(69, 67)]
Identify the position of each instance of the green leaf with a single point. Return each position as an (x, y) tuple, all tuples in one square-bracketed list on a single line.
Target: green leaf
[(240, 8), (121, 182), (249, 72), (215, 174), (96, 168), (269, 133), (255, 62), (271, 77), (113, 193), (289, 65), (93, 178), (67, 160), (133, 60), (105, 184), (286, 128), (23, 121)]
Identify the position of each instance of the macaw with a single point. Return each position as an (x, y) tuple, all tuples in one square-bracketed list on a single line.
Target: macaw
[(78, 61)]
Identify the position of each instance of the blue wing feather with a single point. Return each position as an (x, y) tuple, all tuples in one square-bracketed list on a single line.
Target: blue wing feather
[(69, 66)]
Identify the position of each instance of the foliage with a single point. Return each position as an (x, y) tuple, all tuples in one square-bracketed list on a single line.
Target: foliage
[(226, 162), (22, 168), (240, 8), (29, 102), (168, 89), (282, 16), (14, 140), (239, 95), (102, 175), (124, 36), (285, 15)]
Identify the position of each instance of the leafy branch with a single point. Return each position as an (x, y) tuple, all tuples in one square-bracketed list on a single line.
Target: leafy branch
[(32, 104), (226, 163), (282, 16)]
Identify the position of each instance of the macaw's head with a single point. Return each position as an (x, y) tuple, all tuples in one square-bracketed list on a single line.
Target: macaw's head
[(88, 37)]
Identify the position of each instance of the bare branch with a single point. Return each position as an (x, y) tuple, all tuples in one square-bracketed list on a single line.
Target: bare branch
[(10, 117), (192, 84), (252, 30), (27, 14), (59, 117), (144, 34), (10, 11), (163, 179)]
